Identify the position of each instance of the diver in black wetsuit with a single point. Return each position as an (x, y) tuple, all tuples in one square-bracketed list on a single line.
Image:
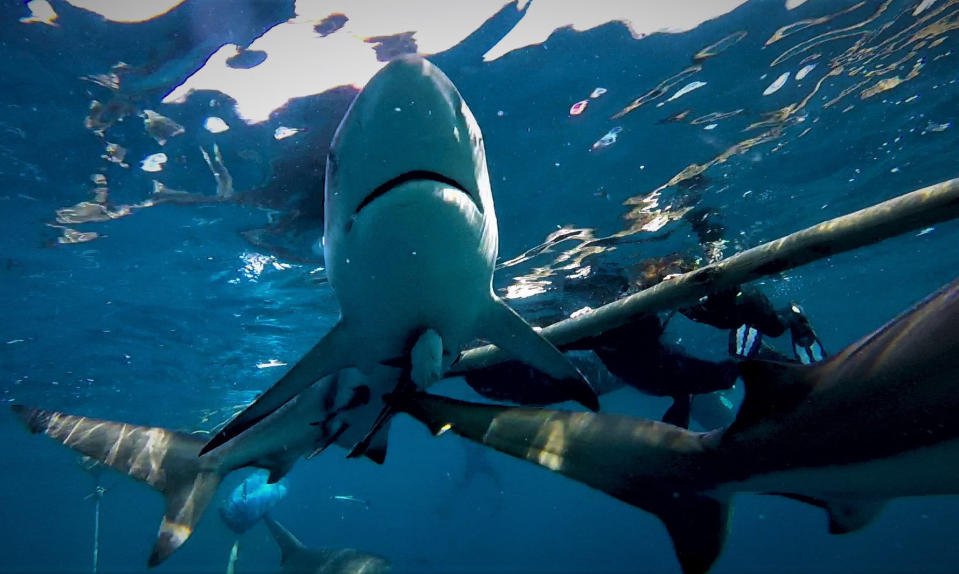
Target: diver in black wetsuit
[(636, 352)]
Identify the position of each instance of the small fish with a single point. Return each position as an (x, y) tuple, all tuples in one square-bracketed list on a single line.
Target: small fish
[(351, 498)]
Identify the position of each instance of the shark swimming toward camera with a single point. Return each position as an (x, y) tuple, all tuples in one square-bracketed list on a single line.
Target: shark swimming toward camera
[(336, 410), (875, 422), (410, 241), (299, 559)]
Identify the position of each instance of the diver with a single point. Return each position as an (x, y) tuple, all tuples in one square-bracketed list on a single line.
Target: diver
[(636, 352)]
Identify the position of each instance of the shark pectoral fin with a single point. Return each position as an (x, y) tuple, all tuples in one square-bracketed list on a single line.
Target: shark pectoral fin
[(772, 388), (333, 353), (503, 327), (164, 459), (698, 526), (845, 515)]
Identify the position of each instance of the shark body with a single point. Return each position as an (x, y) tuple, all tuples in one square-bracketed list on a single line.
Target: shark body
[(299, 559), (410, 242), (336, 410), (877, 421)]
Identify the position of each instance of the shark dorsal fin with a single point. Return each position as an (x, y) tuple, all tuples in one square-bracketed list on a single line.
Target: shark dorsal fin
[(772, 388), (845, 516), (284, 538)]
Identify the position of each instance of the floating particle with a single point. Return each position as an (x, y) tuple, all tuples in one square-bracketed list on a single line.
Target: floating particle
[(597, 93), (270, 364), (710, 127), (686, 89), (282, 132), (777, 84), (215, 125), (804, 71), (160, 127), (154, 162), (609, 139), (925, 231), (578, 108)]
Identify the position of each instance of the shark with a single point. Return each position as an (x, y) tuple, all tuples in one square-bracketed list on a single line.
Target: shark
[(875, 422), (337, 409), (410, 242), (296, 558)]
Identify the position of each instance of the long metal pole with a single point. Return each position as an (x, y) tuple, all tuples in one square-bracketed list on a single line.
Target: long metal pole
[(914, 210)]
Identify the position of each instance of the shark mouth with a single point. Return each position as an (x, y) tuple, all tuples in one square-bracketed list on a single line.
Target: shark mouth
[(416, 175)]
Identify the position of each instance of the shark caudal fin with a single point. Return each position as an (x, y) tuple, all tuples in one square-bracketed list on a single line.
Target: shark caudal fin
[(503, 327), (330, 355), (636, 460), (284, 538), (166, 460)]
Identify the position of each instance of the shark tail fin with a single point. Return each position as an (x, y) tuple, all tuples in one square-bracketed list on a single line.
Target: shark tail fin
[(330, 355), (506, 329), (284, 538), (166, 460)]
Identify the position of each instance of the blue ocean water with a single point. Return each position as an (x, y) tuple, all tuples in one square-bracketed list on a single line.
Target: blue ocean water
[(172, 314)]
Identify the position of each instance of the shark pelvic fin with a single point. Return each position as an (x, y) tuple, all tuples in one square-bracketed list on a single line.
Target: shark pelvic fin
[(373, 444), (845, 516), (166, 460), (330, 355), (376, 450), (698, 526), (772, 389), (503, 327)]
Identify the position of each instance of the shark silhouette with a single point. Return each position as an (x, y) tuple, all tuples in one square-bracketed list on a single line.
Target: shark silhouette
[(299, 559), (410, 241), (877, 421)]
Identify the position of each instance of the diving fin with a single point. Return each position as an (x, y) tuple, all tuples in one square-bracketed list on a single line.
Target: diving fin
[(330, 355), (506, 329), (806, 345), (745, 341)]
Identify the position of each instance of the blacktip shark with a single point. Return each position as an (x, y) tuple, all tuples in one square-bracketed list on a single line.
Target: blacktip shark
[(297, 558), (336, 410), (410, 241), (875, 422)]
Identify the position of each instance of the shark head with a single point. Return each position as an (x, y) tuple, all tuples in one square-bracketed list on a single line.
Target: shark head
[(409, 124)]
